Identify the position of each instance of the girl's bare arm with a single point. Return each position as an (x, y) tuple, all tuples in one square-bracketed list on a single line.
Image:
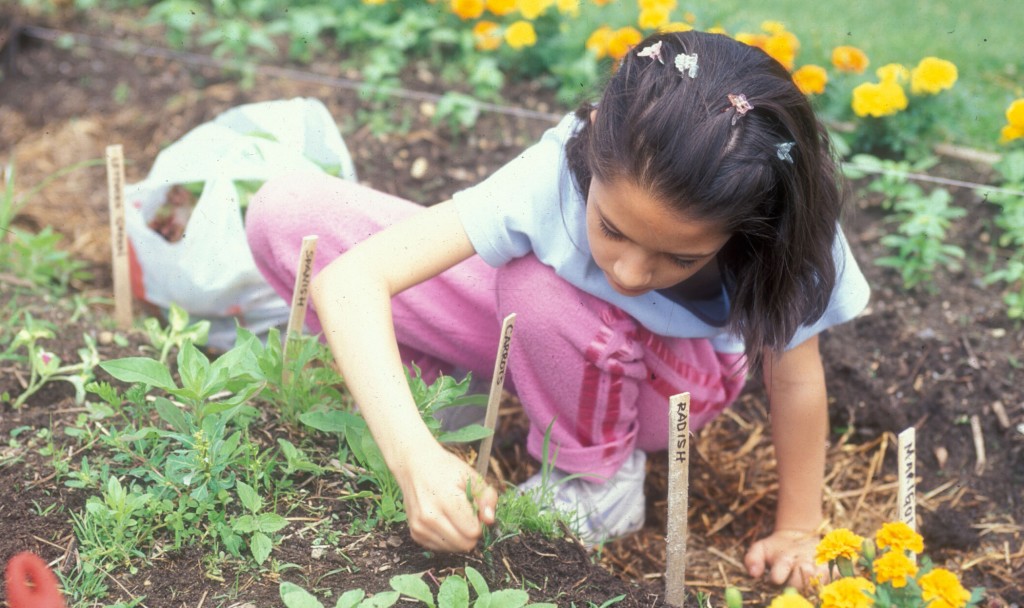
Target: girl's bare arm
[(352, 296), (795, 382)]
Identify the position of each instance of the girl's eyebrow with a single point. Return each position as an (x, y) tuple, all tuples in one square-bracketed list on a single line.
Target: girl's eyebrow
[(682, 256)]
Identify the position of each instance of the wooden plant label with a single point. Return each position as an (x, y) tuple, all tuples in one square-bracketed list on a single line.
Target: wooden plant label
[(906, 492), (678, 497), (300, 295), (118, 238), (483, 459)]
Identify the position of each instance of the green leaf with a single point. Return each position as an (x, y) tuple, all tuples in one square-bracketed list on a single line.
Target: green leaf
[(260, 545), (381, 600), (331, 421), (173, 416), (509, 598), (250, 499), (294, 596), (270, 522), (454, 593), (246, 524), (350, 599), (140, 369), (414, 587), (468, 433), (479, 584), (194, 369)]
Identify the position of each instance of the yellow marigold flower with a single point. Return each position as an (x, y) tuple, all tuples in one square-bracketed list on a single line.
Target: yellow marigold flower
[(675, 26), (849, 59), (838, 543), (520, 34), (531, 9), (782, 47), (652, 18), (569, 7), (1010, 133), (622, 40), (597, 42), (847, 592), (467, 9), (668, 5), (487, 35), (894, 567), (893, 72), (374, 2), (790, 599), (811, 79), (941, 589), (501, 7), (878, 99), (1015, 113), (602, 2), (932, 75), (758, 40), (898, 536), (773, 27)]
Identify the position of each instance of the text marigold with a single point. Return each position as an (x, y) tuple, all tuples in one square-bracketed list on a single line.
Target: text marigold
[(849, 59), (811, 79)]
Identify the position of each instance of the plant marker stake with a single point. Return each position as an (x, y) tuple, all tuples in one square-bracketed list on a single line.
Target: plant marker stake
[(300, 295), (678, 497), (907, 488), (483, 459), (119, 238)]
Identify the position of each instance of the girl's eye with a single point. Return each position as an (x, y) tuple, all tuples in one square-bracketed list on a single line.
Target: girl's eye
[(608, 232), (683, 262)]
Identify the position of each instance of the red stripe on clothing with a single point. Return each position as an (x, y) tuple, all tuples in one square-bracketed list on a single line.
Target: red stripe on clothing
[(588, 404), (613, 412)]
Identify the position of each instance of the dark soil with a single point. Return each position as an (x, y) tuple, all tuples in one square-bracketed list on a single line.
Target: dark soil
[(933, 358)]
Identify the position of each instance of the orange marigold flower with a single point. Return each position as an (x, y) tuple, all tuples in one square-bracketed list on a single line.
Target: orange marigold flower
[(838, 543), (757, 40), (520, 34), (894, 567), (941, 589), (467, 9), (847, 592), (597, 42), (878, 99), (811, 79), (602, 2), (501, 7), (782, 47), (898, 536), (932, 75), (622, 40), (652, 18), (790, 599), (487, 35), (849, 59), (531, 9)]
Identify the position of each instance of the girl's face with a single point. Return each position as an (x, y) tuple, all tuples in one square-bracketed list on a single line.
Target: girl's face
[(641, 244)]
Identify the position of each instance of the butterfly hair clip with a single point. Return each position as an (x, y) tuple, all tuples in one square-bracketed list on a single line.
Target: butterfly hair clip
[(741, 104), (653, 52), (783, 149), (687, 64)]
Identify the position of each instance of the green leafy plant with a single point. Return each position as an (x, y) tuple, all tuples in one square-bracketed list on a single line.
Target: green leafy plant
[(455, 591), (256, 524), (176, 332), (1010, 221), (919, 241), (304, 380), (45, 366)]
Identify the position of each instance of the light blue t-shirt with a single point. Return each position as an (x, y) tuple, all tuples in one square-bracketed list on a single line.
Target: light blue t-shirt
[(532, 205)]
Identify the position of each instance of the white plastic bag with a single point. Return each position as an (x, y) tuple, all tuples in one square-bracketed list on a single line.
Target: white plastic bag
[(210, 271)]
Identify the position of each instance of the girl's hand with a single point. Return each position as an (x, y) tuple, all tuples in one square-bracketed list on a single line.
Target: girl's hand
[(788, 558), (445, 500)]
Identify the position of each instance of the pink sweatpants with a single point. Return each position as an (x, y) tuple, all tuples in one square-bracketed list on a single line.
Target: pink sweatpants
[(601, 377)]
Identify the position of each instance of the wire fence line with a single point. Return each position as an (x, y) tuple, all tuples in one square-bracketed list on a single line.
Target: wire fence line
[(128, 47)]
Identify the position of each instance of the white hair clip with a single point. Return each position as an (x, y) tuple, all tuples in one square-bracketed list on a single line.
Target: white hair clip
[(783, 151), (653, 51), (741, 104), (687, 64)]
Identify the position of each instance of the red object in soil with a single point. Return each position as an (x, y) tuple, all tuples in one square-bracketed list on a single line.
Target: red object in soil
[(31, 584)]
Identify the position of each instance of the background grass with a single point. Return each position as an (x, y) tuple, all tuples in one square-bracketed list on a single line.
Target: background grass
[(982, 37)]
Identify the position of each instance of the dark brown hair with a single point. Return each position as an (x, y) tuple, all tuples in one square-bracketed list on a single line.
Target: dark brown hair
[(682, 140)]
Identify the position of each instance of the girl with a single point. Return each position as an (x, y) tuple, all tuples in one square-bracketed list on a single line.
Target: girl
[(682, 229)]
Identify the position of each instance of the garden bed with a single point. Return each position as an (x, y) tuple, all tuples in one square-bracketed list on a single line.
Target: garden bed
[(933, 358)]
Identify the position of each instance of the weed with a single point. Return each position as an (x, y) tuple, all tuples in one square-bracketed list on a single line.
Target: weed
[(176, 332), (45, 366), (1011, 221)]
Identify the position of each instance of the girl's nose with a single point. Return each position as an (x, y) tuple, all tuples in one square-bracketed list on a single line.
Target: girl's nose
[(633, 270)]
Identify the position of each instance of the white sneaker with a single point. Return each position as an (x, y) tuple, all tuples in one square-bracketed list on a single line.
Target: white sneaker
[(598, 511)]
